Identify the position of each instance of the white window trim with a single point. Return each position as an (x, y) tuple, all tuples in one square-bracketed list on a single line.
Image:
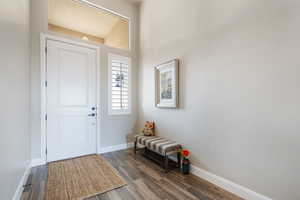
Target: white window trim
[(126, 59)]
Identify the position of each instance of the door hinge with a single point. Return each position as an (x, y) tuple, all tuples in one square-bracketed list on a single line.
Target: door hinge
[(46, 151), (46, 49), (46, 117), (46, 83)]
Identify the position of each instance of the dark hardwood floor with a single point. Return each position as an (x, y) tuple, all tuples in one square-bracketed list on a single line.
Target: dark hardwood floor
[(146, 181)]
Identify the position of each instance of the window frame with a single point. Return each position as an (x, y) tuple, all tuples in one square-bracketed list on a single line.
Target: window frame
[(127, 60)]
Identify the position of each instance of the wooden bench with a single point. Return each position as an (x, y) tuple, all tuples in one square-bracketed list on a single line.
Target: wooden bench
[(159, 145)]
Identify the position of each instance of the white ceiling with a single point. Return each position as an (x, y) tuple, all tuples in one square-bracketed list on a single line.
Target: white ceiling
[(82, 18)]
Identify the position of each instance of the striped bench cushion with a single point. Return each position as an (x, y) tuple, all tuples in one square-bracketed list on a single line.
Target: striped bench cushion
[(160, 145)]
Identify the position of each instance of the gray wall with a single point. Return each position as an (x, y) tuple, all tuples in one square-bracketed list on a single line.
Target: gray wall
[(14, 89), (114, 129), (239, 86)]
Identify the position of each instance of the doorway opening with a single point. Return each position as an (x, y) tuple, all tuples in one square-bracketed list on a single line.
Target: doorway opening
[(70, 98)]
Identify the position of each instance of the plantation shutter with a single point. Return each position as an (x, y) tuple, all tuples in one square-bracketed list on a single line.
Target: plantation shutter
[(119, 84)]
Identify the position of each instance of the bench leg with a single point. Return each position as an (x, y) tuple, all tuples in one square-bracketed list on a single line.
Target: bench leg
[(179, 160), (135, 146), (166, 163)]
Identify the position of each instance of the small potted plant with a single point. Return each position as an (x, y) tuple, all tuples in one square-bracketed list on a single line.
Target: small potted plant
[(185, 168)]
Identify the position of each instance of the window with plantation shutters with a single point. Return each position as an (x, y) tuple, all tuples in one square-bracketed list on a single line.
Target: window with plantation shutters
[(119, 84)]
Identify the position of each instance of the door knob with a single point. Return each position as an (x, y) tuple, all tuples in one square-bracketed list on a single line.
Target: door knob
[(93, 108), (92, 115)]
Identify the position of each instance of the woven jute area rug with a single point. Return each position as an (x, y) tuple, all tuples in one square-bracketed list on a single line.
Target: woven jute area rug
[(80, 178)]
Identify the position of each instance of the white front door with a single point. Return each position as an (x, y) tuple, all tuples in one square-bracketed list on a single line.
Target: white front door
[(71, 100)]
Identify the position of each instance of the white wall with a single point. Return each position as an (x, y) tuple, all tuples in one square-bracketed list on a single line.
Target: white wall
[(114, 129), (14, 89), (239, 86)]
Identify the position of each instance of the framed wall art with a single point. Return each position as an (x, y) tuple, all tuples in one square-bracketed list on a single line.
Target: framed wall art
[(166, 89)]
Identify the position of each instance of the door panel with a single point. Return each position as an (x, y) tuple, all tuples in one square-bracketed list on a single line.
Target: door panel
[(73, 88), (71, 94)]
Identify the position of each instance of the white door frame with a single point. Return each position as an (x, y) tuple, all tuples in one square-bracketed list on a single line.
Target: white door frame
[(44, 38)]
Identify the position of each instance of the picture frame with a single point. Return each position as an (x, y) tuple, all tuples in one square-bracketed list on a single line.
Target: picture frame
[(166, 84)]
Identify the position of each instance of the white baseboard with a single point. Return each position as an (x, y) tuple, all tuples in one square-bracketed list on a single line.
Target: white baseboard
[(130, 145), (228, 185), (115, 148), (18, 193), (37, 162)]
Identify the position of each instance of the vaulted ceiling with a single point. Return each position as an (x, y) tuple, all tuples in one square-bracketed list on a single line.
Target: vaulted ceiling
[(82, 18)]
